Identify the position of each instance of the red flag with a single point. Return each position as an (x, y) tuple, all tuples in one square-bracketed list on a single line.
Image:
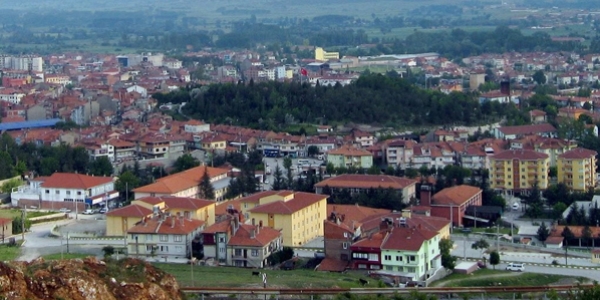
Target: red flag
[(303, 72)]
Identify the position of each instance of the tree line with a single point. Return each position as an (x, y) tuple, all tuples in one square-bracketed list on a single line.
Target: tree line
[(372, 98)]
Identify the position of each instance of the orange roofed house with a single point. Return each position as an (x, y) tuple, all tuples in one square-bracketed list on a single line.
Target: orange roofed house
[(298, 215), (166, 237), (357, 183), (119, 221), (186, 184), (65, 190), (452, 202)]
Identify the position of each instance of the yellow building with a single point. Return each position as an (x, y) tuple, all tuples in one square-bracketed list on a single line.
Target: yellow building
[(120, 220), (577, 169), (298, 215), (518, 170), (322, 55)]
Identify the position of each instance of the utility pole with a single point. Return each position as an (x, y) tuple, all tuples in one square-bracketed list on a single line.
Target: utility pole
[(126, 191), (498, 237), (67, 242), (23, 212)]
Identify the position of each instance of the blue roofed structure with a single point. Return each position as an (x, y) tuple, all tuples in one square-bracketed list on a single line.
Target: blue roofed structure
[(28, 124)]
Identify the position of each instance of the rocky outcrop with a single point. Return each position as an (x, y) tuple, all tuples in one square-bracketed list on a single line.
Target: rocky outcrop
[(86, 279)]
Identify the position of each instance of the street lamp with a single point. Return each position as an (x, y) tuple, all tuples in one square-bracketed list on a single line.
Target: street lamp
[(192, 263)]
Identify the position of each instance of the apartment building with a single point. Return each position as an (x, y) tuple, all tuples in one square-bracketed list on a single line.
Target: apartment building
[(577, 169), (519, 170)]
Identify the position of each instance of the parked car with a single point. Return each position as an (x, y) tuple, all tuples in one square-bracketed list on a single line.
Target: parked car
[(515, 267), (481, 264), (88, 212), (103, 210), (64, 210), (288, 265), (515, 206)]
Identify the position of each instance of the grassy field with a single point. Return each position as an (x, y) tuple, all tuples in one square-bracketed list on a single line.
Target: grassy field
[(10, 252), (12, 213), (490, 277), (58, 256), (236, 277)]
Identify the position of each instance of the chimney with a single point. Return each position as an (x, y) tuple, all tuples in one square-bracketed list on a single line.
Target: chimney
[(253, 233), (257, 230), (260, 224), (172, 221), (253, 222), (425, 195)]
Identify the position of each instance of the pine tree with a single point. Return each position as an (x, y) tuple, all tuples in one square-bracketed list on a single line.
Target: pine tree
[(278, 180), (206, 189), (543, 232)]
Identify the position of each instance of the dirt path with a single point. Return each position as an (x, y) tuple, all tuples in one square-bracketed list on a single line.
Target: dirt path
[(443, 284)]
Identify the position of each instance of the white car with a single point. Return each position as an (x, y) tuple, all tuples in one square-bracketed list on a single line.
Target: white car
[(515, 206), (88, 212), (65, 210), (515, 267)]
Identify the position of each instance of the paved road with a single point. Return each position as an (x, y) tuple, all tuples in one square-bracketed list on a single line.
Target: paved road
[(591, 274)]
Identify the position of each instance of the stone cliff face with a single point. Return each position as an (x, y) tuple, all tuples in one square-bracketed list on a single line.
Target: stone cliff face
[(86, 279)]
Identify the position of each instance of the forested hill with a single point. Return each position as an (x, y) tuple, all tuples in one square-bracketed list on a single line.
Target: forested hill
[(372, 99)]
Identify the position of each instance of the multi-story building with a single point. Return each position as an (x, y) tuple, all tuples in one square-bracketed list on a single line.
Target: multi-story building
[(10, 95), (451, 203), (250, 245), (165, 236), (123, 150), (356, 183), (400, 152), (577, 169), (27, 63), (186, 184), (298, 215), (65, 190), (322, 55), (119, 220), (519, 170), (411, 253), (348, 156)]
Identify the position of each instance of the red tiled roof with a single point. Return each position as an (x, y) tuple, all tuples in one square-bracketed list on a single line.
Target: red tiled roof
[(178, 202), (332, 265), (366, 181), (180, 181), (130, 211), (222, 226), (354, 214), (262, 236), (170, 225), (527, 129), (456, 195), (578, 153), (408, 239), (349, 151), (520, 154), (74, 181), (373, 241), (300, 201)]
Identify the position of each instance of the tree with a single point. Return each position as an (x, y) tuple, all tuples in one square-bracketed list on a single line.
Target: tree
[(108, 251), (586, 234), (9, 185), (312, 151), (543, 232), (567, 234), (448, 261), (480, 245), (101, 166), (494, 258), (206, 189), (125, 184), (534, 202), (539, 77), (374, 170), (411, 173), (330, 169), (287, 164), (185, 162), (278, 180)]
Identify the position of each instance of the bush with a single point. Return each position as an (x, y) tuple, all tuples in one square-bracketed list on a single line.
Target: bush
[(555, 262), (280, 256)]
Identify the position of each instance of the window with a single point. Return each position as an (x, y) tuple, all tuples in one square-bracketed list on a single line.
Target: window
[(345, 233), (177, 238), (164, 238), (389, 268), (398, 258), (164, 248), (238, 252), (412, 258), (345, 245), (148, 237), (254, 252), (356, 255), (48, 191), (387, 257), (221, 240), (68, 192), (56, 192), (79, 193)]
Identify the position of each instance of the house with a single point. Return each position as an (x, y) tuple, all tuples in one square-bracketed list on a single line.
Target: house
[(6, 229), (408, 218), (119, 220), (366, 252), (65, 190), (515, 132), (452, 202), (596, 256), (348, 156), (195, 126), (519, 170), (250, 245), (298, 215), (165, 236), (357, 183), (577, 169), (186, 184), (537, 116), (410, 254), (362, 138)]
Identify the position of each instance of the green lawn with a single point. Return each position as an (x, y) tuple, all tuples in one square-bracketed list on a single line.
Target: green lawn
[(457, 277), (237, 277), (57, 256), (524, 279), (11, 213), (8, 253)]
